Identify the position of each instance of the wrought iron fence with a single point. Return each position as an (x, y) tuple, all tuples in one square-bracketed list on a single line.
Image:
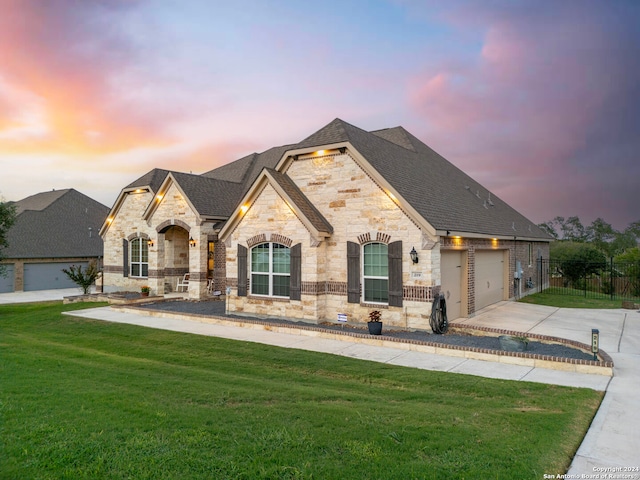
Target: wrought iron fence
[(613, 280)]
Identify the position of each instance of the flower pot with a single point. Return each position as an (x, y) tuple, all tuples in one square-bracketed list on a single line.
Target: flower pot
[(144, 294), (375, 328)]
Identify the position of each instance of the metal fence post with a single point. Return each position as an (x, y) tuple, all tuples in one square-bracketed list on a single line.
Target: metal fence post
[(613, 288)]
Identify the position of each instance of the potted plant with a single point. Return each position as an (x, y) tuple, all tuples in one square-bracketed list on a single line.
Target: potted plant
[(374, 323), (144, 291)]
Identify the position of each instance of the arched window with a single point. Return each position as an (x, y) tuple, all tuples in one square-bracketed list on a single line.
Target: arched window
[(375, 273), (270, 270), (139, 257)]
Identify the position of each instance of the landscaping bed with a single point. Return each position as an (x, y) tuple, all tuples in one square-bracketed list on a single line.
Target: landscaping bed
[(455, 338)]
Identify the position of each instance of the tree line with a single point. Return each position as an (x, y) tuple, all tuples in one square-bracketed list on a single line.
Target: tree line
[(600, 235), (581, 251)]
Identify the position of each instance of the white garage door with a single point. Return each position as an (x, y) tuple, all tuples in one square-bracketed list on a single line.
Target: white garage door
[(6, 280), (451, 269), (489, 281), (48, 276)]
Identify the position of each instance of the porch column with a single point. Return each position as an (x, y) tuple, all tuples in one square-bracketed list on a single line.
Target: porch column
[(156, 265), (198, 255)]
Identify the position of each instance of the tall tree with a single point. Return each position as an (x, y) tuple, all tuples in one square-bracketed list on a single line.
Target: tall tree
[(634, 229), (549, 228), (7, 219), (573, 230), (601, 234)]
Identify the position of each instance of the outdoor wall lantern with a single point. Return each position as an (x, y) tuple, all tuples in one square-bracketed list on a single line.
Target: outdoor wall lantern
[(150, 242), (595, 340), (192, 242), (414, 255)]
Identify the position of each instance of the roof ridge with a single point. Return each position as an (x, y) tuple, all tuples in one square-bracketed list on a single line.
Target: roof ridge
[(252, 163)]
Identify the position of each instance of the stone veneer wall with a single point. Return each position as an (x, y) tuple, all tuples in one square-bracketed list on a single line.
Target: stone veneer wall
[(128, 221), (359, 211), (170, 256)]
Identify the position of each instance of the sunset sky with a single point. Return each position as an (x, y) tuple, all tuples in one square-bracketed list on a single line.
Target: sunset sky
[(538, 100)]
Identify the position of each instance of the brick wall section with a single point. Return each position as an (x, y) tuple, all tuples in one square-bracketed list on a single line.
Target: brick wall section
[(518, 250)]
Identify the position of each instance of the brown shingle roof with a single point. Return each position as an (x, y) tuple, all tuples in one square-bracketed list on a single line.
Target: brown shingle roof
[(209, 196), (62, 223), (439, 191), (152, 179)]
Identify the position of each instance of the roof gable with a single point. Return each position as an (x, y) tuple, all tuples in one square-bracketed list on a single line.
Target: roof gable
[(209, 197), (152, 179), (299, 204), (334, 132), (445, 196)]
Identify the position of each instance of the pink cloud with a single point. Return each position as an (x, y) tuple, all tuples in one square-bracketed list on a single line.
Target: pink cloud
[(64, 53), (531, 107)]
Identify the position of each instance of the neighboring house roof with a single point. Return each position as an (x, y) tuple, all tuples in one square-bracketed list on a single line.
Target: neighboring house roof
[(56, 224), (440, 192)]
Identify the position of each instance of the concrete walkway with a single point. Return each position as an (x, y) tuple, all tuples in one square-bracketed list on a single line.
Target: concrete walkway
[(613, 440)]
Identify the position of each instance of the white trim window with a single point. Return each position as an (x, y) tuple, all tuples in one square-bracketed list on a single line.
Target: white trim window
[(270, 270), (139, 257), (375, 273)]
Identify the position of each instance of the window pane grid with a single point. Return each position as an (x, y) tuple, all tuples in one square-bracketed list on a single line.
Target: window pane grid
[(375, 273), (139, 263), (270, 270)]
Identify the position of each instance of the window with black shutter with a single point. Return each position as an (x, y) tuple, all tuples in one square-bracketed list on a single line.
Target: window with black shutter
[(242, 271), (395, 274), (353, 272), (125, 257), (296, 272)]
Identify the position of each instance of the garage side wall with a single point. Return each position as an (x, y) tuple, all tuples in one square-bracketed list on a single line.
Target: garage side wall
[(524, 252)]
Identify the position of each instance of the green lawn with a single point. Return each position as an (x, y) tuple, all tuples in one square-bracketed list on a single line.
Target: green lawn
[(576, 300), (83, 399)]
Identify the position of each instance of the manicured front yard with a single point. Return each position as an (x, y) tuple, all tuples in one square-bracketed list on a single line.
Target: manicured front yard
[(87, 399), (570, 301)]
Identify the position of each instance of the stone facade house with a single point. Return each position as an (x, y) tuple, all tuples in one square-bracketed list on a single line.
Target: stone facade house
[(342, 223), (53, 230)]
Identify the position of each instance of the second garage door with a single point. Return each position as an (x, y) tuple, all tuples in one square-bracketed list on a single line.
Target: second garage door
[(452, 270), (6, 280), (489, 278), (48, 276)]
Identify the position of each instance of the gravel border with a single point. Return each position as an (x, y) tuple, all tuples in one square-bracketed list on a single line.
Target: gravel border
[(217, 308)]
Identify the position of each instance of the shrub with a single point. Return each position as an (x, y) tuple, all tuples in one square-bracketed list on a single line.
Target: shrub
[(83, 278)]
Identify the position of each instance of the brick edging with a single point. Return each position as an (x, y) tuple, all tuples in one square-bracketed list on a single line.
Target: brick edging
[(605, 362), (605, 358)]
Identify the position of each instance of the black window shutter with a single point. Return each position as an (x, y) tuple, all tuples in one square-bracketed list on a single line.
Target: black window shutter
[(242, 271), (353, 272), (296, 272), (125, 257), (395, 274)]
